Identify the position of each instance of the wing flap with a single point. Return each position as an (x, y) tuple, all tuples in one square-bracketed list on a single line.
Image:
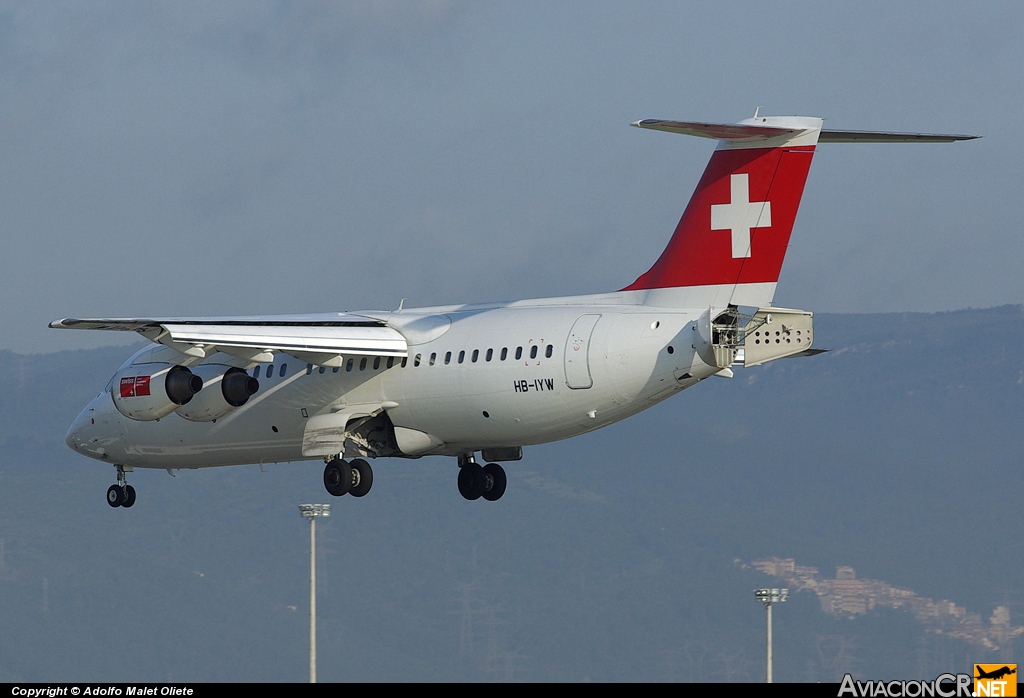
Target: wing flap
[(363, 340)]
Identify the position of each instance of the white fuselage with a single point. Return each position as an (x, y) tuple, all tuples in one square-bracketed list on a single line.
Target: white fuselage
[(476, 377)]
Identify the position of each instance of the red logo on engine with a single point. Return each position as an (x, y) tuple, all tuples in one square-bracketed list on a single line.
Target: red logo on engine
[(135, 386), (128, 387)]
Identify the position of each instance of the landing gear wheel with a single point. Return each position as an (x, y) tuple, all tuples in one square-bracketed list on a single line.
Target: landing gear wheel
[(129, 496), (115, 495), (494, 482), (471, 481), (362, 478), (337, 477)]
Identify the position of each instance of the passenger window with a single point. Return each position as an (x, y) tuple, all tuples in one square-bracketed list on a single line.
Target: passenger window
[(284, 367), (476, 355), (433, 358), (323, 369), (391, 361), (405, 360), (519, 353), (549, 351), (362, 364), (350, 364), (270, 371), (416, 361), (256, 372), (447, 358), (333, 370), (462, 356), (504, 353), (376, 363), (309, 369), (533, 352), (490, 353)]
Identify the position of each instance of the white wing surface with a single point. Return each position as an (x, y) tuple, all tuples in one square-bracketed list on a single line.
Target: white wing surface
[(322, 339)]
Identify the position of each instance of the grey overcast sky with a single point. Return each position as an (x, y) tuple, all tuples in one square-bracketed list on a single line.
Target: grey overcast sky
[(270, 157)]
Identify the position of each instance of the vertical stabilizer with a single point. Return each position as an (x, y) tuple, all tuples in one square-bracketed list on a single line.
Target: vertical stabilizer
[(732, 238)]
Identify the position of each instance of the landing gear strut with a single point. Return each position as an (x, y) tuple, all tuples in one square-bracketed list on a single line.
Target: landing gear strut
[(122, 494), (476, 481), (355, 478)]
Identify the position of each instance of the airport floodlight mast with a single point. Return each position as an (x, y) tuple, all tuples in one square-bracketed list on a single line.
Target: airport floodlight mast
[(312, 512), (768, 597)]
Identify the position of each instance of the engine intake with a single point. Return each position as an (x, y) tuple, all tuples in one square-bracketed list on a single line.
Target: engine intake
[(238, 386), (226, 389), (150, 391)]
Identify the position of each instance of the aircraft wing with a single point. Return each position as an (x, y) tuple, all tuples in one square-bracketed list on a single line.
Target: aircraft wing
[(322, 339)]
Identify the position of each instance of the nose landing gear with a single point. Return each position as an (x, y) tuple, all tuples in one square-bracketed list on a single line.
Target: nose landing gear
[(122, 494)]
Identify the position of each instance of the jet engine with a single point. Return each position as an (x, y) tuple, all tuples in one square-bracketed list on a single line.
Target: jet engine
[(147, 392), (223, 391)]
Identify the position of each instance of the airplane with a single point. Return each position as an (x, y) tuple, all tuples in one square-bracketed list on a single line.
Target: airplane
[(995, 674), (486, 378)]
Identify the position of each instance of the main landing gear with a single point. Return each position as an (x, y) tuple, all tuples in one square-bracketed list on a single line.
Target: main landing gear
[(122, 494), (355, 478), (476, 481)]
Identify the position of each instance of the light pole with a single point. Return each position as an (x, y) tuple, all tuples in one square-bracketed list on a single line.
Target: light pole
[(768, 597), (312, 512)]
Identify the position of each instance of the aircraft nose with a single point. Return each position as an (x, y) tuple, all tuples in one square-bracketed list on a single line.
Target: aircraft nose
[(96, 432), (76, 433)]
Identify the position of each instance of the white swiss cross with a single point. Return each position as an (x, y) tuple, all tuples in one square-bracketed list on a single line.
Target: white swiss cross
[(740, 215)]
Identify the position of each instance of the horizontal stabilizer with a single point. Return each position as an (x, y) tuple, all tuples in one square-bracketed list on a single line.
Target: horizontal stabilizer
[(889, 137), (723, 132), (807, 352), (746, 131)]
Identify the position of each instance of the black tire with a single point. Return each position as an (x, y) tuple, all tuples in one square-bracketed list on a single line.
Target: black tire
[(362, 478), (115, 495), (471, 481), (129, 496), (494, 482), (337, 477)]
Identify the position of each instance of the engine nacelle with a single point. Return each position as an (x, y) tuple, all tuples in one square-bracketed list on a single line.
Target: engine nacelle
[(150, 391), (223, 391)]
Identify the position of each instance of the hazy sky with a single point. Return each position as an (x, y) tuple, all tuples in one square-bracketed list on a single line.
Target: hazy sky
[(227, 158)]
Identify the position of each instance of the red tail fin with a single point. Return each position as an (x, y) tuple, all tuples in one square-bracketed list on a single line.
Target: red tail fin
[(736, 228)]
